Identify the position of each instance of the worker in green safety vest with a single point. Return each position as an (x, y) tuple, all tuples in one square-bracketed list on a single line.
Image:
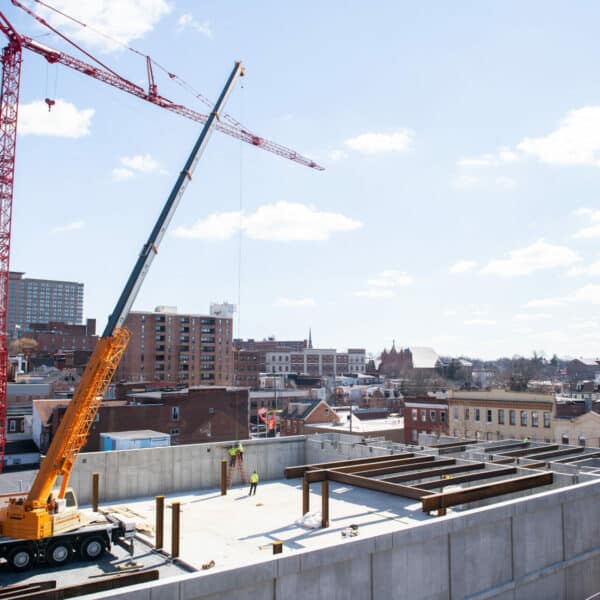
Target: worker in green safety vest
[(253, 483), (232, 455)]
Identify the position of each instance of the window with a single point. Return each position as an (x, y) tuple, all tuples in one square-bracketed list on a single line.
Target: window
[(477, 414), (582, 441), (455, 412), (523, 418), (512, 417), (489, 416), (547, 420), (535, 421), (414, 414), (423, 415), (432, 416), (175, 413), (175, 431), (564, 439), (466, 414), (12, 425), (500, 416), (442, 417)]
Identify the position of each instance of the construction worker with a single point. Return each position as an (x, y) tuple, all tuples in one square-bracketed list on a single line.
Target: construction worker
[(240, 452), (253, 483), (232, 456)]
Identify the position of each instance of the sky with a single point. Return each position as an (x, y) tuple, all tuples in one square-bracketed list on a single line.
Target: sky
[(459, 207)]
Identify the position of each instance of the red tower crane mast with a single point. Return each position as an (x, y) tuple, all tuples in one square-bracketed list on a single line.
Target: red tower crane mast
[(9, 104)]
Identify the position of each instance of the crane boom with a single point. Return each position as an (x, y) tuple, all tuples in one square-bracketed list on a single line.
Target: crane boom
[(31, 519)]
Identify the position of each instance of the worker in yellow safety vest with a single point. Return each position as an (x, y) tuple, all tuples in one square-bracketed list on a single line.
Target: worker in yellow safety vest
[(240, 452), (253, 483), (232, 455)]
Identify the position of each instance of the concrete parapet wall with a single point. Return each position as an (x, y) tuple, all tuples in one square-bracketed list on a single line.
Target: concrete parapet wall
[(151, 471), (543, 546)]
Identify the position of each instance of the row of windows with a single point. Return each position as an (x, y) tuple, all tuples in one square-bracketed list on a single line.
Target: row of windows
[(524, 416), (432, 415)]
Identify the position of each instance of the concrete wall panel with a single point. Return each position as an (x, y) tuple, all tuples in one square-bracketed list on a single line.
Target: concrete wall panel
[(582, 525), (536, 544), (551, 587), (480, 558), (582, 579)]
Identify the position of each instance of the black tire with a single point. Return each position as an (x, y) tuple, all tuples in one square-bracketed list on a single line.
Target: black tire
[(92, 547), (21, 558), (59, 553)]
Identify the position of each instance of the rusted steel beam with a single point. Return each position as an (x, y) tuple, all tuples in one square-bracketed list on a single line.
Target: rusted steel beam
[(487, 474), (546, 455), (377, 485), (481, 492), (305, 497), (95, 587), (504, 461), (324, 503), (578, 458), (454, 444), (435, 472), (529, 450), (298, 471), (535, 465), (501, 447), (312, 476), (407, 467), (386, 467)]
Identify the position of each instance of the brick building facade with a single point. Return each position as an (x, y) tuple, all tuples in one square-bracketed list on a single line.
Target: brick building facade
[(197, 415), (424, 415), (299, 414), (171, 349)]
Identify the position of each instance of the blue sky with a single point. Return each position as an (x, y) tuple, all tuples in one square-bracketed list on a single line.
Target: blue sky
[(459, 207)]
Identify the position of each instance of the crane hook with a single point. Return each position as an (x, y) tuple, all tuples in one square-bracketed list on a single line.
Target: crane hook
[(50, 103)]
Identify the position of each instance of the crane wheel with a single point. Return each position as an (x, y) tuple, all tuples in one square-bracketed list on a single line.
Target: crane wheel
[(21, 558), (59, 553), (92, 547)]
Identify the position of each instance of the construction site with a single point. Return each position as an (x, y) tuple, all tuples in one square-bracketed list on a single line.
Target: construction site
[(332, 515)]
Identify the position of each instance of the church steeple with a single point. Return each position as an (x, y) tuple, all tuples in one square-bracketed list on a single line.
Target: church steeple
[(309, 338)]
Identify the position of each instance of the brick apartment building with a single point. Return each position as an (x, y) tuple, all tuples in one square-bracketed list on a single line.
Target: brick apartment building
[(42, 301), (172, 349), (193, 416), (299, 414), (246, 367), (424, 415), (261, 347)]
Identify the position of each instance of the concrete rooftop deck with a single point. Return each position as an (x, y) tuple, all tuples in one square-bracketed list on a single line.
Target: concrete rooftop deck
[(237, 529)]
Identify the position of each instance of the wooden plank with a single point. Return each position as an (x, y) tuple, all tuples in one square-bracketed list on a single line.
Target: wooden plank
[(435, 472), (546, 455), (481, 492), (377, 485), (385, 467), (94, 587), (578, 458), (529, 450), (15, 592), (487, 474), (312, 476), (298, 471)]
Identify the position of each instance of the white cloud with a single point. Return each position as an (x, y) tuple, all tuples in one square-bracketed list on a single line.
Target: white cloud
[(376, 143), (187, 20), (593, 231), (536, 257), (485, 160), (64, 120), (588, 294), (463, 266), (375, 293), (119, 174), (74, 226), (144, 163), (507, 183), (281, 222), (391, 279), (464, 182), (593, 270), (336, 155), (576, 141), (481, 322), (294, 303), (594, 215), (531, 317), (122, 20), (546, 302)]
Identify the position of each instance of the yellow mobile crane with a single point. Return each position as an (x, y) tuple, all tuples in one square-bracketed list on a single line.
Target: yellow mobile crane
[(47, 525)]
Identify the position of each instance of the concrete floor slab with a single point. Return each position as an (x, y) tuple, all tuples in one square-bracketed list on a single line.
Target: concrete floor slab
[(237, 529)]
